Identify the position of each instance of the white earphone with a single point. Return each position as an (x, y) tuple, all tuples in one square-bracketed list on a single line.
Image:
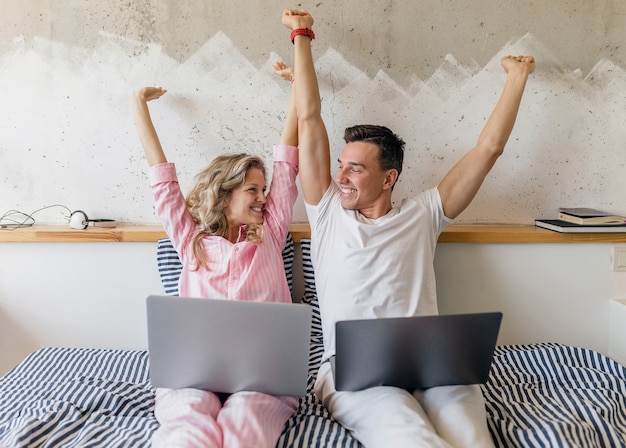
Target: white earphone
[(79, 221)]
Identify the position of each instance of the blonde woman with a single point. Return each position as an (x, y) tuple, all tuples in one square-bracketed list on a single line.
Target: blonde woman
[(229, 233)]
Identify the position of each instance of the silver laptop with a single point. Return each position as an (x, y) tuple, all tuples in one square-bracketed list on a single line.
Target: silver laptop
[(228, 346), (415, 352)]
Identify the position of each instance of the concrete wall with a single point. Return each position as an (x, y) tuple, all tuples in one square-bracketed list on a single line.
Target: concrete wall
[(428, 69)]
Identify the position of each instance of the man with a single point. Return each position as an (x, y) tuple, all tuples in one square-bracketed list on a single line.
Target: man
[(372, 260)]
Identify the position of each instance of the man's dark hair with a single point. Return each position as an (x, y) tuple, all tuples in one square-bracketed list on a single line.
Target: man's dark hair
[(391, 147)]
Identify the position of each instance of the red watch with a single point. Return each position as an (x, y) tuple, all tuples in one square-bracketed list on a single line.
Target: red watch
[(302, 32)]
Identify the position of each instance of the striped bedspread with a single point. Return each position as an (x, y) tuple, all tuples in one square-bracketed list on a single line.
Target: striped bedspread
[(540, 395), (550, 395), (63, 397)]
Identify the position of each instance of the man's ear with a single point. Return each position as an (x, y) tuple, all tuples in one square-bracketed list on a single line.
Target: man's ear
[(391, 176)]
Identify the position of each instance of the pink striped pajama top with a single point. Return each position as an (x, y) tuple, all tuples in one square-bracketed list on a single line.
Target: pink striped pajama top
[(241, 271)]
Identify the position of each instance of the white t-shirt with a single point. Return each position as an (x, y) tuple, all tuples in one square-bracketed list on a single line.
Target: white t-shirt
[(367, 269)]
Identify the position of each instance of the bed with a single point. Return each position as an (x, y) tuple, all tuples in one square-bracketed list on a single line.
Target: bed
[(537, 395)]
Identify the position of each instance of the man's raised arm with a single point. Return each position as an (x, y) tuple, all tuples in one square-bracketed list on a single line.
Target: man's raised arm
[(312, 136), (460, 185)]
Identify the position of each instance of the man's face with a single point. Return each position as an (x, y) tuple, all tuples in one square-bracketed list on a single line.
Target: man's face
[(364, 185)]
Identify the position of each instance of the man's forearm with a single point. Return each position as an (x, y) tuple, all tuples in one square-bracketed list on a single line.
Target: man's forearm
[(500, 124)]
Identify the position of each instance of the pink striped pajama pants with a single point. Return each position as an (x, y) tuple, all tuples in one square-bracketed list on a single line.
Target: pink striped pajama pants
[(197, 418)]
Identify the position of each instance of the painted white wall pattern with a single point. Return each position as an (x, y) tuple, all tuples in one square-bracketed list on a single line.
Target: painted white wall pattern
[(67, 136)]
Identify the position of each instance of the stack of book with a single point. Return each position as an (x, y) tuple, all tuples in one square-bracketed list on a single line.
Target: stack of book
[(584, 220)]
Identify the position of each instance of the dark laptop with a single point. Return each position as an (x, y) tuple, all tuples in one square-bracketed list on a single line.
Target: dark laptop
[(228, 346), (415, 352)]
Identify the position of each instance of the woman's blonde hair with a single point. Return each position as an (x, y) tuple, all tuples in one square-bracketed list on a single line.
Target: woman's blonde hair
[(212, 188)]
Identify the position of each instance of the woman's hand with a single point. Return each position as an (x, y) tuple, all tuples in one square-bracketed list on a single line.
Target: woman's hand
[(151, 93), (283, 70)]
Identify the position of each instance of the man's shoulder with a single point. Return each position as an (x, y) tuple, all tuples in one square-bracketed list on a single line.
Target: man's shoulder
[(427, 197)]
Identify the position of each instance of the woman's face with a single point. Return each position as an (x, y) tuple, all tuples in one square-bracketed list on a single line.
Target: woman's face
[(246, 205)]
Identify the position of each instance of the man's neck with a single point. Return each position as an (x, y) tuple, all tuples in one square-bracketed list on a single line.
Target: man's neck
[(375, 212)]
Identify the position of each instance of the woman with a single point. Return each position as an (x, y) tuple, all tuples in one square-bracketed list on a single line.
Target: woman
[(229, 235)]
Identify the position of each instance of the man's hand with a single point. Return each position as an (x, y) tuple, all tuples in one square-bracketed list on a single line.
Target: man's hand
[(294, 19), (521, 63)]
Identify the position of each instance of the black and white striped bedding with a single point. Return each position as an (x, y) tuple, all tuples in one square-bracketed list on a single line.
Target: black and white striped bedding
[(64, 397), (538, 395), (551, 395)]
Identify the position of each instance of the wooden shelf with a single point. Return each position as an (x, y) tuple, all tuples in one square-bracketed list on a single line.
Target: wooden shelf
[(475, 233), (480, 233), (64, 234)]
